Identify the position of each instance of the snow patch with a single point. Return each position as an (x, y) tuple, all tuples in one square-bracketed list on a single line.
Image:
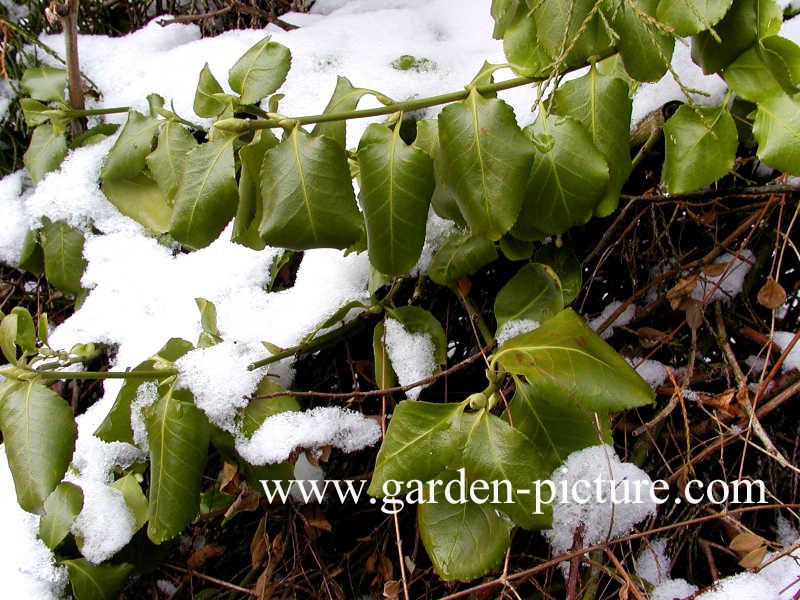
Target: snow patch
[(411, 355), (512, 329)]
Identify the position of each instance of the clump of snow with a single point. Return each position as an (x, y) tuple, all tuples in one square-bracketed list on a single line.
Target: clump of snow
[(305, 471), (744, 586), (280, 435), (105, 524), (652, 371), (786, 533), (625, 317), (437, 230), (783, 573), (607, 514), (511, 329), (673, 589), (94, 459), (730, 280), (411, 355), (27, 567), (653, 564), (16, 221), (6, 96), (146, 395), (783, 339)]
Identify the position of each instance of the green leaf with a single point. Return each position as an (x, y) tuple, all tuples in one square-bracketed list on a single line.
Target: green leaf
[(570, 32), (178, 436), (208, 320), (45, 83), (646, 50), (533, 293), (459, 256), (260, 71), (699, 147), (47, 149), (418, 320), (688, 17), (141, 199), (514, 249), (127, 157), (525, 56), (308, 199), (39, 435), (745, 23), (504, 13), (207, 194), (63, 256), (33, 111), (167, 161), (463, 541), (603, 105), (777, 130), (8, 337), (568, 179), (345, 99), (422, 440), (96, 582), (485, 159), (384, 374), (565, 352), (444, 200), (770, 68), (134, 498), (396, 182), (249, 209), (209, 98), (60, 510), (566, 266), (260, 409), (17, 329), (31, 257)]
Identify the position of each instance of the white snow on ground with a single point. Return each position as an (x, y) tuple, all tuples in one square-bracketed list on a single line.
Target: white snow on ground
[(783, 339), (15, 220), (672, 589), (728, 283), (652, 371), (652, 564), (411, 355), (6, 96), (625, 317)]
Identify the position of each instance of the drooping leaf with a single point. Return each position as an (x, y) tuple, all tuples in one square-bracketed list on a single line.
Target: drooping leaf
[(62, 246), (515, 249), (39, 437), (345, 99), (603, 105), (565, 352), (533, 293), (96, 582), (384, 374), (571, 30), (134, 498), (206, 197), (444, 200), (646, 50), (486, 160), (249, 209), (566, 265), (308, 199), (141, 199), (47, 149), (777, 130), (260, 71), (463, 540), (525, 56), (127, 156), (60, 510), (504, 13), (31, 257), (418, 320), (208, 322), (8, 336), (568, 179), (688, 17), (209, 98), (167, 161), (260, 409), (178, 436), (396, 182), (769, 68), (420, 442), (44, 83), (459, 256), (34, 111), (746, 22), (17, 329), (700, 147)]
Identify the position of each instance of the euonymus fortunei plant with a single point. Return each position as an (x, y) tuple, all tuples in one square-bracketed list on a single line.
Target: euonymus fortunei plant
[(506, 188)]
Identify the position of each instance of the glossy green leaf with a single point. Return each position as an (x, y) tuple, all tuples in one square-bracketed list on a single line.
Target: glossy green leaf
[(60, 510), (463, 541), (572, 357), (167, 161), (260, 409), (526, 57), (134, 498), (39, 436), (127, 157), (208, 321), (777, 130), (459, 256), (34, 111), (384, 374), (31, 257), (206, 197), (688, 17), (533, 293), (249, 209), (504, 13), (345, 99), (44, 83), (568, 179), (746, 22), (260, 71), (418, 320), (514, 249), (443, 200), (62, 246), (17, 329), (570, 32), (308, 199), (178, 436), (8, 337), (47, 149), (566, 266), (485, 159), (700, 147), (646, 50), (141, 199), (396, 182), (603, 105), (422, 440), (209, 98), (770, 68), (96, 582)]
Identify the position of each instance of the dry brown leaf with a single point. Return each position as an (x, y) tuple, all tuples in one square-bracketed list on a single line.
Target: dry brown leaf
[(694, 312), (754, 558), (464, 286), (265, 586), (203, 554), (410, 564), (391, 590), (715, 269), (259, 544), (680, 290), (649, 337), (746, 542), (230, 481), (246, 501), (771, 295)]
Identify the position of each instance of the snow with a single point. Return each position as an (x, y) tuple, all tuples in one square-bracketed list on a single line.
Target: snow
[(625, 317), (511, 329), (783, 573), (783, 339), (730, 280), (411, 355), (105, 524), (652, 371), (653, 564), (600, 520), (673, 589), (15, 220), (146, 395), (7, 95), (744, 586)]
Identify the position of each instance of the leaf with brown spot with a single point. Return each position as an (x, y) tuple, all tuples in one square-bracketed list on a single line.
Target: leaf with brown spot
[(230, 481), (715, 269), (683, 288), (203, 554), (771, 295)]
